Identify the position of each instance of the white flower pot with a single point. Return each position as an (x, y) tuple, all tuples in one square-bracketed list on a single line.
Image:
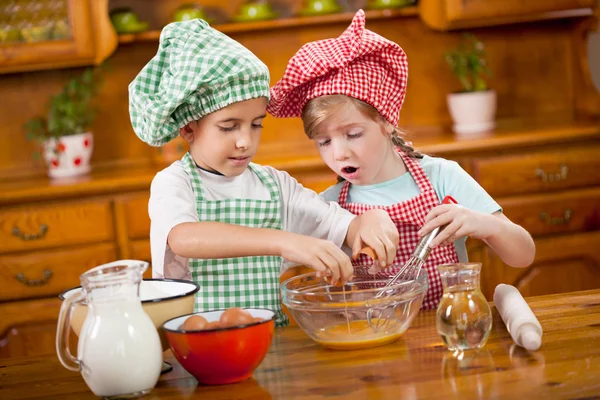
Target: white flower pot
[(472, 112), (68, 156)]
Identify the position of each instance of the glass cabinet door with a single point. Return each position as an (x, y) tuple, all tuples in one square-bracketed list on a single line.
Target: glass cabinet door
[(47, 34), (34, 21)]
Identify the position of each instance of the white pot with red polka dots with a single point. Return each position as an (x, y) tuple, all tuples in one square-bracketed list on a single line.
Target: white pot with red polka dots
[(68, 156)]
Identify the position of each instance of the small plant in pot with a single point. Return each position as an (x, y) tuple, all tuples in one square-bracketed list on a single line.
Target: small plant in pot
[(65, 142), (473, 109)]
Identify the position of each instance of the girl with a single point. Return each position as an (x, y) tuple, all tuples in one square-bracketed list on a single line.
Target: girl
[(349, 92), (216, 217)]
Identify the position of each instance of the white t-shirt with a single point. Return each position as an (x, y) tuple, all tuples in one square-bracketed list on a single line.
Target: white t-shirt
[(172, 202)]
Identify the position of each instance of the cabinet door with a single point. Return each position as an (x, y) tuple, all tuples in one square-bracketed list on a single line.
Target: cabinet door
[(28, 328), (135, 208), (476, 9), (53, 34), (562, 264), (454, 14), (140, 250)]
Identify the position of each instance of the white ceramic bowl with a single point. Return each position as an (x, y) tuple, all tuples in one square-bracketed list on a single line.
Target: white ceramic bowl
[(162, 299)]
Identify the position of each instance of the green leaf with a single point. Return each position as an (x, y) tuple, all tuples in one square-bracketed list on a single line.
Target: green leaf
[(70, 110), (467, 62)]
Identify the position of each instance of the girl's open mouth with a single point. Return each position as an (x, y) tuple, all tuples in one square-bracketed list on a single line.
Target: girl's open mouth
[(350, 172)]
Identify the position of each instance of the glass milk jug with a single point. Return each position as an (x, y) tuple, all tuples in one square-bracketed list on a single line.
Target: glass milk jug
[(464, 318), (119, 352)]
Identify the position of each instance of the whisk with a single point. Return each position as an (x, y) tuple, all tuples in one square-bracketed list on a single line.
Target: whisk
[(408, 272)]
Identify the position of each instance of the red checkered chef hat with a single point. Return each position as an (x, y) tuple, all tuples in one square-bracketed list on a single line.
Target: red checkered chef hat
[(359, 63)]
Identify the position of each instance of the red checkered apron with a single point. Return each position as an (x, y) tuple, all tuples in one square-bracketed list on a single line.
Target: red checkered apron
[(408, 216)]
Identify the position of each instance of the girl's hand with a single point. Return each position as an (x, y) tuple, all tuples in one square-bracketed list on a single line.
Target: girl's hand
[(321, 255), (461, 222), (374, 228)]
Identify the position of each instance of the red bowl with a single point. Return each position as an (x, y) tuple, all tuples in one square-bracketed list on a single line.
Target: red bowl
[(224, 355)]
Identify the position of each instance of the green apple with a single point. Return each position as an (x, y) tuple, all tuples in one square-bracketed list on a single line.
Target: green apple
[(188, 12)]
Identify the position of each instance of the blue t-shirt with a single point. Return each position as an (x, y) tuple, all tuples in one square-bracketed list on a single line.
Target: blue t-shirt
[(446, 177)]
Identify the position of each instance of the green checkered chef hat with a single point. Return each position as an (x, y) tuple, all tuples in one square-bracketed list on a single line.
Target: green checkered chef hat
[(197, 70)]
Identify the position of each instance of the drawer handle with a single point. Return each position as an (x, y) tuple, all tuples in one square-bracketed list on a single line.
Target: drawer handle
[(34, 282), (33, 236), (546, 177), (564, 220)]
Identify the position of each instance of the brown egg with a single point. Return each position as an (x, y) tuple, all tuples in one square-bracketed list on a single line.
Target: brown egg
[(212, 325), (194, 323), (258, 319), (234, 317), (366, 251)]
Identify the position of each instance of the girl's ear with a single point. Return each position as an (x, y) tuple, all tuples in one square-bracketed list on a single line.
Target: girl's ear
[(387, 128), (187, 133)]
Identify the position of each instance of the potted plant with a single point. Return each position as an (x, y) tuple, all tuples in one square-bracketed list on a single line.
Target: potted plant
[(473, 109), (66, 144)]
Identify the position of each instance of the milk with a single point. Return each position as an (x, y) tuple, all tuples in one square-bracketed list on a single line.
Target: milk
[(119, 349), (119, 353)]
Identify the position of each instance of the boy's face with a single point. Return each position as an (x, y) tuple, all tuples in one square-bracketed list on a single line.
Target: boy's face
[(357, 148), (227, 140)]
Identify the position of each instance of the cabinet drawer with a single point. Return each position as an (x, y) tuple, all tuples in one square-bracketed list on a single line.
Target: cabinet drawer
[(571, 211), (61, 224), (136, 215), (47, 273), (557, 169)]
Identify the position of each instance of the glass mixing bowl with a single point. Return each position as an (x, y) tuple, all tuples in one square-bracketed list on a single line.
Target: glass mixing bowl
[(361, 314)]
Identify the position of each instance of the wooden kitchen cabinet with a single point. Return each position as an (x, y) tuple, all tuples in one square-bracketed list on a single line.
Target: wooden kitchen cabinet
[(540, 163), (86, 36), (460, 14), (28, 328), (559, 207), (111, 222), (562, 264)]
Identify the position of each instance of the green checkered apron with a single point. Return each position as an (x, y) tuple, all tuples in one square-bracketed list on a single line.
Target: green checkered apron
[(248, 282)]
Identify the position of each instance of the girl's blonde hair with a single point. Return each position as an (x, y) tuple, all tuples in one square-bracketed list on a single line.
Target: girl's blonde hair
[(319, 109)]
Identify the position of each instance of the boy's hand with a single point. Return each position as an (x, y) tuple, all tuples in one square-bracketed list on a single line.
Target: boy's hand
[(374, 228), (461, 222), (321, 255)]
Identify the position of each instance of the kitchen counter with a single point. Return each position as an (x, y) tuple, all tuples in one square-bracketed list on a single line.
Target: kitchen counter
[(417, 366)]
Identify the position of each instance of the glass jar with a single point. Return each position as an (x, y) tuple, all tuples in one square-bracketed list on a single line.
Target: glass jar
[(119, 352), (464, 317)]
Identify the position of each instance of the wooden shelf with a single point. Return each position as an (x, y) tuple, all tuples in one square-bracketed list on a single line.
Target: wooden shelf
[(242, 27), (299, 157)]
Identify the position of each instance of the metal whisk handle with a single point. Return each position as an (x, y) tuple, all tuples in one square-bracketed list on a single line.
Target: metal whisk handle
[(422, 250)]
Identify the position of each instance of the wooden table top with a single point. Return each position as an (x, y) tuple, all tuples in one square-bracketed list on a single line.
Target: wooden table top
[(417, 366)]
